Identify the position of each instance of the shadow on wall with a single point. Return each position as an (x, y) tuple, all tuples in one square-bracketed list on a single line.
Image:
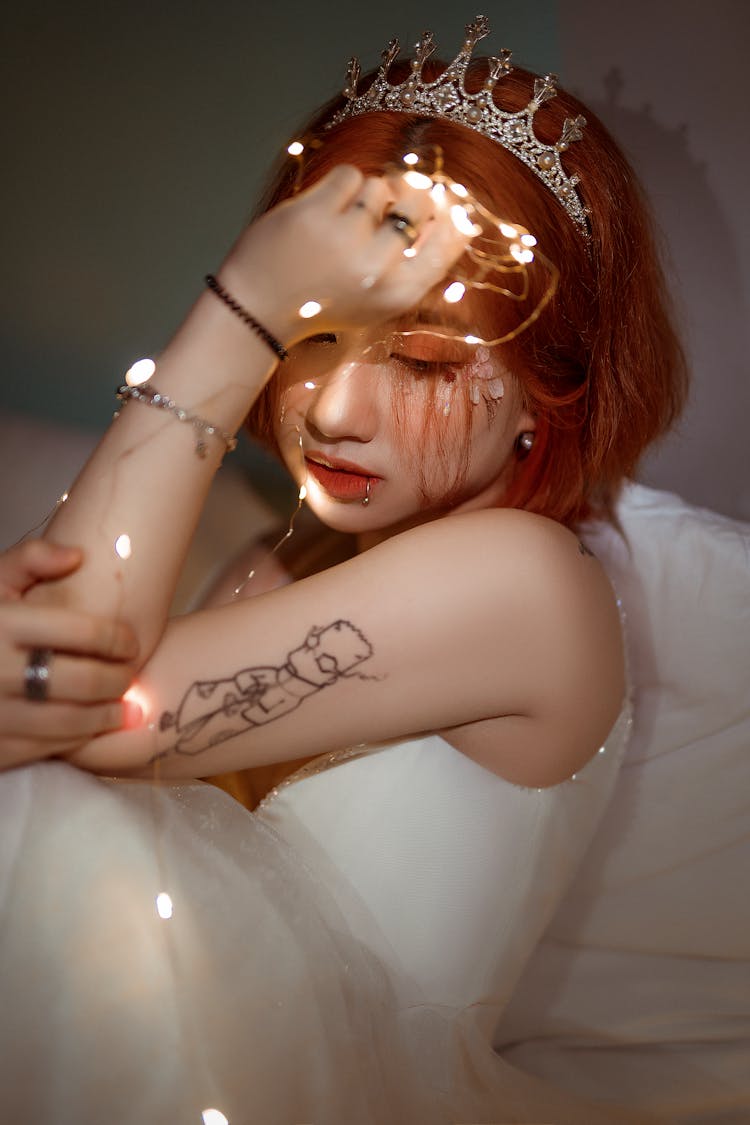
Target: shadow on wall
[(705, 459)]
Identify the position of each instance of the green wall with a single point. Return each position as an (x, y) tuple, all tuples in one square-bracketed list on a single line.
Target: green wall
[(134, 140)]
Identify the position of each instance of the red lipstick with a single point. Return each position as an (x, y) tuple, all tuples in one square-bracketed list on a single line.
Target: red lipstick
[(341, 480)]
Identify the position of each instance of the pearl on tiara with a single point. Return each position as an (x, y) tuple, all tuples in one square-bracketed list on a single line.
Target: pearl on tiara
[(448, 98)]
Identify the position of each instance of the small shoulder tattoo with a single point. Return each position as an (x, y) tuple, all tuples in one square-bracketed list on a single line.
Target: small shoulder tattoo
[(213, 711), (584, 550)]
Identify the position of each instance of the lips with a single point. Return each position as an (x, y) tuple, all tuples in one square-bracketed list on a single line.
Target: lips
[(341, 480)]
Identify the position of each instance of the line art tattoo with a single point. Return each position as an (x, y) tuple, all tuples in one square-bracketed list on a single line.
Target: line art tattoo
[(212, 711)]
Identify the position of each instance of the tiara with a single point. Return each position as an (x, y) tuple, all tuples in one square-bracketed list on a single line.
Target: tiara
[(448, 98)]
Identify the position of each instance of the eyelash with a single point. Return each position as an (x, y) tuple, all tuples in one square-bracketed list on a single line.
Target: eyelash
[(412, 364), (322, 338), (421, 366)]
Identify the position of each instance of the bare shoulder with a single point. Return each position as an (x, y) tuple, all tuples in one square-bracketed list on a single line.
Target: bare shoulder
[(488, 547), (529, 598)]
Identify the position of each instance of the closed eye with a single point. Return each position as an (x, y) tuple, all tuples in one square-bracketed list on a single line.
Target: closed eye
[(422, 366), (322, 338)]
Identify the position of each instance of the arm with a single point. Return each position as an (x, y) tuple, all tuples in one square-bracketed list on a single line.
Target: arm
[(398, 641), (144, 480)]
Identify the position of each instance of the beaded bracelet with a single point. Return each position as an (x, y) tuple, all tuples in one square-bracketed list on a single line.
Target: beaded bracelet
[(268, 338), (149, 396)]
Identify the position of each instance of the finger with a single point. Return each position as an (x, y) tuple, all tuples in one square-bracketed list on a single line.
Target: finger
[(67, 630), (38, 559), (70, 679), (418, 203), (439, 246), (336, 189), (409, 214), (373, 199), (135, 753), (20, 751), (57, 722)]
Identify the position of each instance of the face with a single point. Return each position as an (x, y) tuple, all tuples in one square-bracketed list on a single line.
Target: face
[(394, 427)]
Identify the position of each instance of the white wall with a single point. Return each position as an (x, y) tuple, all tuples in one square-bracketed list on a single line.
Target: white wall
[(670, 80)]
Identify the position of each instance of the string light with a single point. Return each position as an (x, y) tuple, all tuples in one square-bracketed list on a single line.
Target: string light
[(296, 148), (310, 309), (164, 907), (140, 372), (454, 292), (301, 497), (136, 694), (417, 180), (123, 546), (461, 221), (214, 1117), (521, 253), (497, 251), (309, 385)]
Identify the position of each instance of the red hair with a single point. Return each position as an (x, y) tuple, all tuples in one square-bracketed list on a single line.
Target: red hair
[(601, 369)]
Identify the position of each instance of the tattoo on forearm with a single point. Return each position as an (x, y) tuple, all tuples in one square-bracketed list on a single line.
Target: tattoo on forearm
[(212, 711)]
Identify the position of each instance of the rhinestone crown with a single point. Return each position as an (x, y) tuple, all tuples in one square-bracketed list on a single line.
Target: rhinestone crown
[(447, 98)]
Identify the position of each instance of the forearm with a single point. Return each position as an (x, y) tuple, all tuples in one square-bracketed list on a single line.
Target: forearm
[(146, 481)]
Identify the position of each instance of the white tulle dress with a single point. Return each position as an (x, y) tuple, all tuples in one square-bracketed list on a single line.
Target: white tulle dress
[(340, 956)]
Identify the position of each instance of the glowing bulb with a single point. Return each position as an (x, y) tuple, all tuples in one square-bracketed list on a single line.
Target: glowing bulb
[(123, 546), (296, 148), (63, 498), (461, 220), (411, 158), (214, 1117), (438, 193), (459, 190), (140, 372), (410, 252), (309, 309), (417, 180), (472, 339), (164, 906), (454, 292), (528, 240), (136, 694), (303, 492), (309, 385), (521, 254), (508, 230)]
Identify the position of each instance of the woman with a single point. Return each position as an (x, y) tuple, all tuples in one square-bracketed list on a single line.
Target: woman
[(458, 682)]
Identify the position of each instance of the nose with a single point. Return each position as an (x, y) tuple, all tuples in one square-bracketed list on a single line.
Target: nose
[(344, 404)]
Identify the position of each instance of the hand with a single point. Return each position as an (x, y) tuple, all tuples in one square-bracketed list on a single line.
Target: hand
[(335, 244), (88, 661)]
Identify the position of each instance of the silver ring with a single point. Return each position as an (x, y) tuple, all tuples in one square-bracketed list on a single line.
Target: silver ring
[(36, 675), (403, 226)]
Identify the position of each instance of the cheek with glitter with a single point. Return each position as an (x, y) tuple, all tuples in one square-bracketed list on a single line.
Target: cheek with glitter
[(483, 377)]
